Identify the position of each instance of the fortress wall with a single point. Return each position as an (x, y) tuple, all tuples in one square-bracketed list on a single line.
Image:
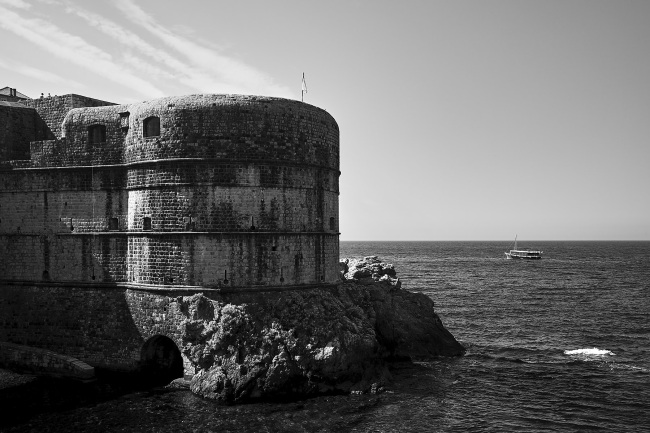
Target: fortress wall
[(76, 146), (46, 153), (195, 259), (49, 212), (220, 164), (257, 165), (22, 213), (109, 258), (34, 120), (44, 215), (262, 207), (231, 260), (210, 208), (90, 324), (17, 130), (43, 212), (47, 228), (19, 181), (62, 179), (53, 109), (234, 127), (104, 327), (61, 153), (227, 174), (61, 200), (80, 148), (64, 258), (22, 257)]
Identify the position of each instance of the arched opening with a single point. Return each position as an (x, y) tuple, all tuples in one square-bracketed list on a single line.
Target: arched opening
[(161, 361)]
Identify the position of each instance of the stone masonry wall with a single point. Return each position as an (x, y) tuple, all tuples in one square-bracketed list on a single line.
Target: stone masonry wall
[(232, 260), (53, 109), (18, 126), (234, 127), (234, 193), (101, 326), (249, 183)]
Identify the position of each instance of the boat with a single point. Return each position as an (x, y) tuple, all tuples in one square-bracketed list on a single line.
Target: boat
[(524, 253)]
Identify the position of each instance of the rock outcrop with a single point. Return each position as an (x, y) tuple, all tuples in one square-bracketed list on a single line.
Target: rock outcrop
[(369, 270), (304, 342)]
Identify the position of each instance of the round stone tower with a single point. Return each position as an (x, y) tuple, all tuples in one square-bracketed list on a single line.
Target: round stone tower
[(222, 190)]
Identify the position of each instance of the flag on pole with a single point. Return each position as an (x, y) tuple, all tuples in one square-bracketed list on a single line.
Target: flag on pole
[(304, 87)]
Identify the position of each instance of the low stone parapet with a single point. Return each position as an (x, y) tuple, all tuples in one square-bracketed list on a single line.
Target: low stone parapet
[(41, 361)]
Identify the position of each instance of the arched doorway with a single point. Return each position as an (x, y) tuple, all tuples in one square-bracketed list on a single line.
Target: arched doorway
[(161, 361)]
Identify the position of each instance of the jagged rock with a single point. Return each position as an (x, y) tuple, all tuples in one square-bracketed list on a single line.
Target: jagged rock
[(304, 342), (370, 267), (286, 344)]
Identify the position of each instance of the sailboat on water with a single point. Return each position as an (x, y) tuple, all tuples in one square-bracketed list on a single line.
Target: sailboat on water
[(524, 253)]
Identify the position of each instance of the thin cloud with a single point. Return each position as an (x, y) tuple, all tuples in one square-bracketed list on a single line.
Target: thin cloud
[(122, 35), (39, 74), (179, 60), (232, 73), (73, 49), (151, 71), (19, 4), (178, 70)]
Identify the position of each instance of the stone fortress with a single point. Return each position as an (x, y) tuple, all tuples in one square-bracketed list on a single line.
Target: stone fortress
[(107, 211)]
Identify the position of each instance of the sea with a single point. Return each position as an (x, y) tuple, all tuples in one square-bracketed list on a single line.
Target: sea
[(558, 344)]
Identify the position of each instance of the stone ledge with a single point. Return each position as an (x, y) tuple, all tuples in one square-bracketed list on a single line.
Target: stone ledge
[(131, 164), (178, 233), (165, 288), (42, 361)]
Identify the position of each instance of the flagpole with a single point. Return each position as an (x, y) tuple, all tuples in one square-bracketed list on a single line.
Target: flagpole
[(302, 88)]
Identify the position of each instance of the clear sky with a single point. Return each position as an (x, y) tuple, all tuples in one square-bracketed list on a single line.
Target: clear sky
[(460, 120)]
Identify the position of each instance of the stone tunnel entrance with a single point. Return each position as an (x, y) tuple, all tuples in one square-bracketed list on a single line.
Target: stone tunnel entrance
[(161, 361)]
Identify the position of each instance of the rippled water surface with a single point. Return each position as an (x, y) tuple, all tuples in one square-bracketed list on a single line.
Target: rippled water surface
[(561, 344)]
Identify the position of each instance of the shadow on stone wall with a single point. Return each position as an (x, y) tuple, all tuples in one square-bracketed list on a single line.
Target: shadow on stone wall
[(92, 324)]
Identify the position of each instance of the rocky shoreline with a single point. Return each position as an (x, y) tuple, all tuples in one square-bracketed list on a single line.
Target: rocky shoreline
[(251, 346), (297, 344)]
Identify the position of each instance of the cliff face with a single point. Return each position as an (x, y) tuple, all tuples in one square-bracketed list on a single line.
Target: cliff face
[(300, 343)]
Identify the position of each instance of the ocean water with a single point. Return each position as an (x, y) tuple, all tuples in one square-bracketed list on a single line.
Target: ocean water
[(560, 344)]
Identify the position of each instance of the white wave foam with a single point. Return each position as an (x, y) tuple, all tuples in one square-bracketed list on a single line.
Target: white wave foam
[(593, 352)]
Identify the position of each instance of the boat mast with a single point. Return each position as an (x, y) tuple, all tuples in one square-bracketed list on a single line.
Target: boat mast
[(515, 242)]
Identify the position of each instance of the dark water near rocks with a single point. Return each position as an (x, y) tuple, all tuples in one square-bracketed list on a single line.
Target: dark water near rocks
[(561, 344)]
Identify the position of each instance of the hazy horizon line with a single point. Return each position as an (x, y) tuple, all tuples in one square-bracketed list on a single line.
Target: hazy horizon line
[(497, 240)]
